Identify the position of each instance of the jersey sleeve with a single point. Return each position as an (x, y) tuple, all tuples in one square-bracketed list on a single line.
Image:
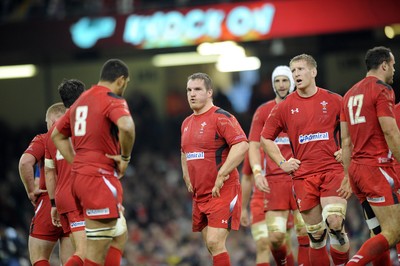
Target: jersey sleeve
[(343, 112), (230, 129), (117, 109), (183, 126), (397, 114), (257, 125), (37, 147), (385, 103), (48, 158), (273, 125)]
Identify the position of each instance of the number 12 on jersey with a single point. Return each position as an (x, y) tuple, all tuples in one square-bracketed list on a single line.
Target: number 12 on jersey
[(356, 100)]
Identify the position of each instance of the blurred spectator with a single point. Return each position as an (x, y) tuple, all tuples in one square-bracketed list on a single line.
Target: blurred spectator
[(176, 110), (147, 126), (12, 247)]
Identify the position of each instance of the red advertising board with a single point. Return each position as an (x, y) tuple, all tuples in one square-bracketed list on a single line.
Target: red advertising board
[(247, 21)]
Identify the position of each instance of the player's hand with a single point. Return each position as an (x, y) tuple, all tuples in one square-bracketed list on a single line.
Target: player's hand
[(121, 164), (189, 186), (33, 196), (291, 165), (219, 182), (345, 188), (55, 217), (338, 156), (244, 217), (261, 183)]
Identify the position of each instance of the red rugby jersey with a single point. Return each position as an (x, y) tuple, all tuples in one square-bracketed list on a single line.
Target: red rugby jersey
[(272, 170), (312, 125), (91, 121), (63, 194), (362, 105), (206, 141), (37, 149)]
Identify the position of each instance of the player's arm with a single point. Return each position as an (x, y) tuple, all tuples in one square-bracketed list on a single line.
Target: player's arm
[(392, 134), (255, 163), (63, 144), (275, 154), (257, 125), (345, 190), (126, 135), (254, 154), (185, 173), (26, 172), (234, 158), (247, 184), (255, 158), (51, 179)]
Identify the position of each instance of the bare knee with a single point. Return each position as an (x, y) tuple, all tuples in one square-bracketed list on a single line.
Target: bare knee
[(337, 234), (120, 241), (335, 222), (79, 239), (277, 239), (277, 230), (215, 246), (317, 235), (39, 249), (299, 224), (262, 245)]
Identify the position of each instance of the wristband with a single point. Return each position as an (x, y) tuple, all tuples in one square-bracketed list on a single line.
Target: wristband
[(125, 158), (281, 162), (53, 202), (256, 169)]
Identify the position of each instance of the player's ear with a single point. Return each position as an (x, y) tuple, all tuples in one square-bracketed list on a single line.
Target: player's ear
[(120, 81), (384, 65), (314, 72)]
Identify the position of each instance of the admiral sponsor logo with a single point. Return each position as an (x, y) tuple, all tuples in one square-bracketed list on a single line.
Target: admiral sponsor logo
[(282, 140), (313, 137), (384, 160), (104, 172), (96, 212), (77, 224), (195, 155), (376, 200)]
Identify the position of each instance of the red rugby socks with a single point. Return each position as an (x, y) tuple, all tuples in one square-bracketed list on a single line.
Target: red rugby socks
[(42, 263), (113, 257), (74, 261), (303, 251), (371, 250), (221, 259)]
